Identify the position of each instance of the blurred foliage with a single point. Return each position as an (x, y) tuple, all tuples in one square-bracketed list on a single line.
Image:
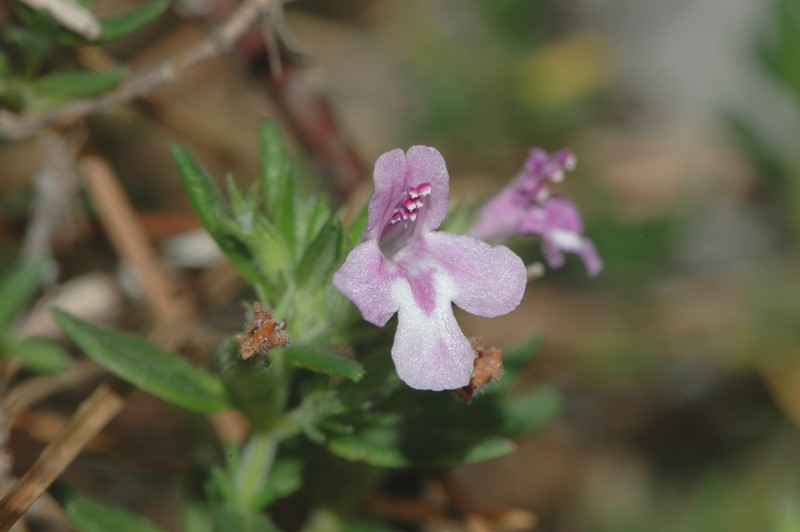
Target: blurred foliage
[(37, 56), (504, 68), (18, 287)]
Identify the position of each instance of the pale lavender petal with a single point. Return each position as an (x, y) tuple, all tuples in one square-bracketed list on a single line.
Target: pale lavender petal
[(591, 259), (559, 224), (555, 242), (500, 217), (487, 281), (426, 165), (390, 184), (366, 278), (430, 352)]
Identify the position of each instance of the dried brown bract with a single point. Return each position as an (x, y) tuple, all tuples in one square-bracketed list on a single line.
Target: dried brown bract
[(263, 333), (488, 367)]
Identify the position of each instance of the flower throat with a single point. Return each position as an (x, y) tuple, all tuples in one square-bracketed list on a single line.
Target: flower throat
[(402, 228)]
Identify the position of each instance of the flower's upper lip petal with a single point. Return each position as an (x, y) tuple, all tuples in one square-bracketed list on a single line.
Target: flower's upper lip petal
[(426, 165), (390, 178), (487, 281), (366, 278), (430, 352), (500, 217)]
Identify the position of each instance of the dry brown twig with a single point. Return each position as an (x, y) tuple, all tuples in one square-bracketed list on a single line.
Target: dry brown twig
[(126, 233), (146, 81), (56, 186), (93, 414), (36, 389), (105, 402)]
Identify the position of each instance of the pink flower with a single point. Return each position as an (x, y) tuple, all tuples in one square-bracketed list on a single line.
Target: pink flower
[(526, 206), (404, 265)]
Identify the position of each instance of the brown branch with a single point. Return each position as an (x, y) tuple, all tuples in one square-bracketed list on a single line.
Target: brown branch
[(56, 186), (35, 389), (92, 415), (143, 82), (126, 233)]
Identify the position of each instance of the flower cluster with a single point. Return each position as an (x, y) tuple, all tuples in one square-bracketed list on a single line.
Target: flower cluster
[(526, 206), (404, 265)]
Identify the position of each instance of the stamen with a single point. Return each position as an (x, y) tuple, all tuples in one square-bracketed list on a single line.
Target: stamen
[(567, 160), (423, 189), (411, 203)]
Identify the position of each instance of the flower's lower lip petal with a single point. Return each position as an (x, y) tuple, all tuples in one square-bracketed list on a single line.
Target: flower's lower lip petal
[(488, 281), (366, 279), (591, 259), (430, 352)]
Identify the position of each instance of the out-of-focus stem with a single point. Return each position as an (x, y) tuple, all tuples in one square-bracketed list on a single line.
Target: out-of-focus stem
[(255, 465)]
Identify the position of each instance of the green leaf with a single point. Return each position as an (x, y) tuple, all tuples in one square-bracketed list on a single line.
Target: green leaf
[(88, 515), (323, 361), (131, 21), (202, 192), (5, 65), (515, 359), (267, 246), (779, 53), (243, 209), (318, 215), (17, 287), (213, 214), (359, 224), (147, 366), (228, 519), (37, 355), (112, 28), (387, 424), (379, 442), (80, 83), (285, 478), (775, 174), (32, 47), (321, 256), (278, 182)]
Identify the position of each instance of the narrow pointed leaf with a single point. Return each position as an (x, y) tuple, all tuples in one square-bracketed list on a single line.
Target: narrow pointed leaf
[(285, 478), (318, 215), (278, 181), (213, 213), (203, 194), (323, 361), (37, 355), (88, 515), (321, 256), (17, 287), (387, 424), (80, 83), (127, 23), (359, 224), (145, 365)]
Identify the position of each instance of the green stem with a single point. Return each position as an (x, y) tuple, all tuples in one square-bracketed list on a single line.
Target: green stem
[(254, 468)]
